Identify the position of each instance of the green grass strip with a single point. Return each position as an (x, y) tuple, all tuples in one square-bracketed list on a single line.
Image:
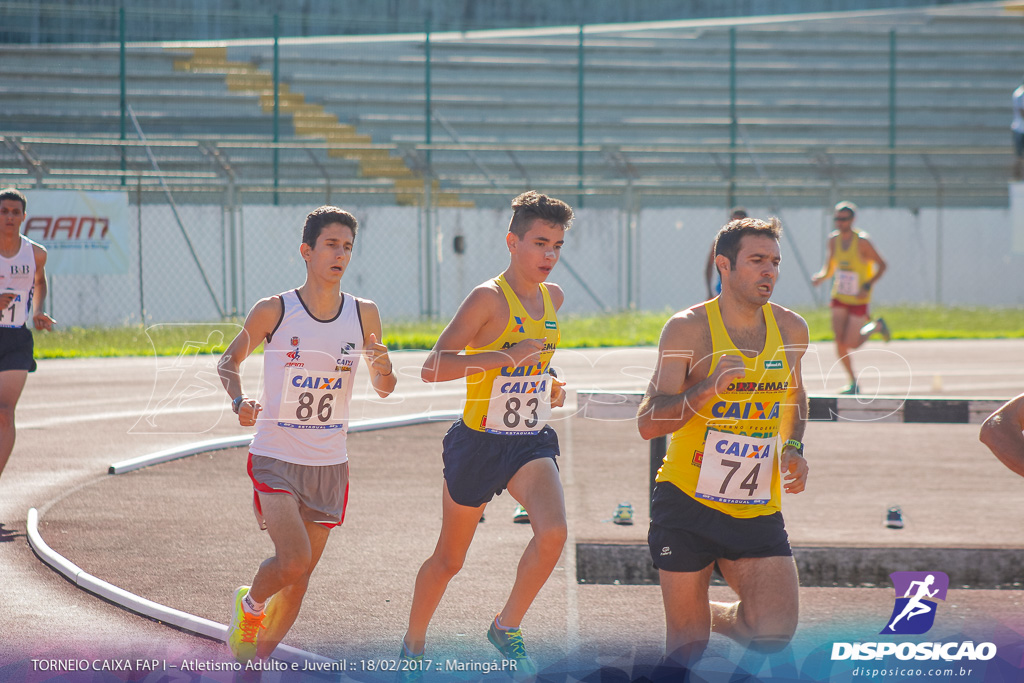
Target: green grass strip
[(616, 329)]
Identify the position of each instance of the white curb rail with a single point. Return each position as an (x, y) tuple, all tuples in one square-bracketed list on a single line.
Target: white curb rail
[(169, 615)]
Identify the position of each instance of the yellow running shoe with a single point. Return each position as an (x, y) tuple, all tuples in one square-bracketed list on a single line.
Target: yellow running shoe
[(245, 629)]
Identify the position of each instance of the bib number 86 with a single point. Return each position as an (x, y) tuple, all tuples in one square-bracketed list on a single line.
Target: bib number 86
[(304, 411)]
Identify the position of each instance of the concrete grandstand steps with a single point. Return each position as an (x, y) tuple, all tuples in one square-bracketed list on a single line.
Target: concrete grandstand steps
[(802, 82), (312, 120)]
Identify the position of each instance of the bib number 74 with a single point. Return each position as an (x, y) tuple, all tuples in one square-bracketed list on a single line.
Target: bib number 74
[(736, 469)]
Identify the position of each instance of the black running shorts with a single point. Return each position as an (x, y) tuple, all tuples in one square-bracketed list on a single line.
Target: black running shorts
[(687, 536), (16, 347)]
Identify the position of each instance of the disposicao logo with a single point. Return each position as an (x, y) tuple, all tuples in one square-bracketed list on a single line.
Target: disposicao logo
[(913, 614), (916, 595)]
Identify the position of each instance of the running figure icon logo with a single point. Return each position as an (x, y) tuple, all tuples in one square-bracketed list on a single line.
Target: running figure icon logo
[(916, 593)]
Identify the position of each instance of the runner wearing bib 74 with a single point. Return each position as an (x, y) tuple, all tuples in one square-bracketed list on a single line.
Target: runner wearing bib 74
[(501, 340), (727, 387)]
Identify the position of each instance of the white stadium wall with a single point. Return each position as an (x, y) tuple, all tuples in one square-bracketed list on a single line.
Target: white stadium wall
[(971, 250)]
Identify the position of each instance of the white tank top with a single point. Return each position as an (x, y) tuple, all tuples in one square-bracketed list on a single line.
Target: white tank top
[(18, 274), (309, 368)]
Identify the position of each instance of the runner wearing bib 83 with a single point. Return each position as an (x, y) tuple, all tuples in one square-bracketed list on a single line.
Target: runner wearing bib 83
[(501, 341), (514, 400)]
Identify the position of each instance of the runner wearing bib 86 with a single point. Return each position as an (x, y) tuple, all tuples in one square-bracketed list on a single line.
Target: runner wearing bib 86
[(727, 386), (22, 294), (855, 266), (313, 338), (501, 340)]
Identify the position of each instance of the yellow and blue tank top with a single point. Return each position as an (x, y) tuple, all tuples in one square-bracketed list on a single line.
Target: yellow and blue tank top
[(850, 271), (726, 455), (507, 399)]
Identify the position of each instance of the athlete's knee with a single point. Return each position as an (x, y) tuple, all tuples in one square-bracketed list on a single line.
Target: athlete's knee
[(769, 632), (770, 644), (6, 417), (552, 539), (297, 589), (293, 568), (446, 564)]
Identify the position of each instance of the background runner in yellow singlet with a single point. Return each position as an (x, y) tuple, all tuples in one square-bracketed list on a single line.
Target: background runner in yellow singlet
[(501, 340), (857, 266), (727, 386)]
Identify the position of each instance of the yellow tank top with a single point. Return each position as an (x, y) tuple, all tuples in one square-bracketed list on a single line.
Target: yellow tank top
[(513, 400), (726, 455), (850, 271)]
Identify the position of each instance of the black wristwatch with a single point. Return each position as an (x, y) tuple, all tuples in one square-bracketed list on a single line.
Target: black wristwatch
[(237, 403), (798, 445)]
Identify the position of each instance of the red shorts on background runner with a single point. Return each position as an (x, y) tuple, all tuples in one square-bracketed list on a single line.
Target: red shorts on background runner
[(854, 309)]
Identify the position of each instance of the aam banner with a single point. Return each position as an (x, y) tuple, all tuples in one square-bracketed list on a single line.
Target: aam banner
[(85, 233)]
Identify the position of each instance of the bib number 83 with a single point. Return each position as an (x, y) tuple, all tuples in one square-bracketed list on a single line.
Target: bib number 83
[(304, 411), (512, 416)]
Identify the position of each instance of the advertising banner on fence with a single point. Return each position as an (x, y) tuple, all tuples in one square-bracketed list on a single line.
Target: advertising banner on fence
[(85, 233)]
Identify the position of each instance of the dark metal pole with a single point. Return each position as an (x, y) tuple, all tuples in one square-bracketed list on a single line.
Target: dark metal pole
[(579, 126), (277, 104), (733, 122), (892, 117), (124, 94)]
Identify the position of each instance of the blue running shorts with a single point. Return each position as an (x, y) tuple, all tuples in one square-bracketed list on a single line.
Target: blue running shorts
[(479, 465), (16, 346)]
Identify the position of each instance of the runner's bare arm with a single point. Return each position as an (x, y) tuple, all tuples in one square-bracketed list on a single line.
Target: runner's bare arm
[(447, 360), (259, 324), (40, 320), (869, 253), (829, 266), (1001, 432), (558, 392), (675, 393), (382, 372), (793, 418)]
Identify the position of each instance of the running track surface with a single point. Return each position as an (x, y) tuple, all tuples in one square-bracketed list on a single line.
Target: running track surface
[(180, 533)]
